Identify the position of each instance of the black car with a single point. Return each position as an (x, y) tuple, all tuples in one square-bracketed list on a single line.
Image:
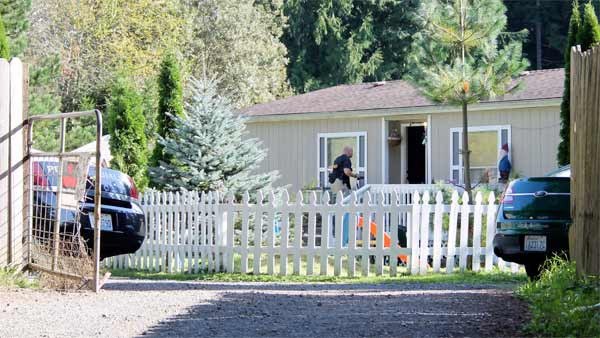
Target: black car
[(122, 218), (533, 221)]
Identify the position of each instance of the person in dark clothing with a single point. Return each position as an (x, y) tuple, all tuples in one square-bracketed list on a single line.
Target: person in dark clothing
[(342, 171), (504, 165)]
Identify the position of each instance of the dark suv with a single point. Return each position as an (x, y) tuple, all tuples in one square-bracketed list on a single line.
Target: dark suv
[(533, 221), (122, 218)]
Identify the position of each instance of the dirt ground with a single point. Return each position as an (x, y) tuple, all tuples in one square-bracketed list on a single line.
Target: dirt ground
[(138, 308)]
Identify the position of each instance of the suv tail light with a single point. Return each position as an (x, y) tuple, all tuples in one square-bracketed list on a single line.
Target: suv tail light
[(69, 179), (133, 192), (507, 197), (38, 176)]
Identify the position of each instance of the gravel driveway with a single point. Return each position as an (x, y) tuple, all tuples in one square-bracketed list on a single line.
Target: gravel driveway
[(130, 308)]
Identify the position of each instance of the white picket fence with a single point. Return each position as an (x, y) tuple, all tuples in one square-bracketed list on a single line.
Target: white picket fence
[(192, 232)]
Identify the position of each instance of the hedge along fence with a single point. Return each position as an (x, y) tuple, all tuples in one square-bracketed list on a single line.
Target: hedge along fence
[(192, 232), (584, 234)]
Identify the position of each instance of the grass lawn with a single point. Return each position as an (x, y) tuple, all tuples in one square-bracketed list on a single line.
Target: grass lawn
[(458, 278), (562, 304), (304, 277)]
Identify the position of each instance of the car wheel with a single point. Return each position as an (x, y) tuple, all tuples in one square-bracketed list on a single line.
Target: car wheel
[(533, 270)]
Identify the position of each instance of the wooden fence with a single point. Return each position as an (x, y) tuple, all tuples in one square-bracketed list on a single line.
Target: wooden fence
[(13, 89), (191, 232), (584, 234)]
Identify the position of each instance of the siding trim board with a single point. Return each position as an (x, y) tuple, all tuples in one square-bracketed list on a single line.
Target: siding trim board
[(390, 113)]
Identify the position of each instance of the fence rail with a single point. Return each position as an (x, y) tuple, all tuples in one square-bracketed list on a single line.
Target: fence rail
[(196, 232)]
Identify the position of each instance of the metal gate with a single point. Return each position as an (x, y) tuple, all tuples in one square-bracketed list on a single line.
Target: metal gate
[(64, 194)]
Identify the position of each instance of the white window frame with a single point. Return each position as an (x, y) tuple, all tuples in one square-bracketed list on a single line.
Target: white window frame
[(460, 166), (355, 160)]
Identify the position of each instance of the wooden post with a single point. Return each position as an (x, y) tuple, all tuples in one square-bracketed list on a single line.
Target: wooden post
[(584, 234), (4, 150)]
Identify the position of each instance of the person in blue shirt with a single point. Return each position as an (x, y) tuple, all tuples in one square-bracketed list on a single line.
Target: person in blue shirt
[(504, 165)]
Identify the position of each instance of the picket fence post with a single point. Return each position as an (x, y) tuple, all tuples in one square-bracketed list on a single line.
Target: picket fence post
[(352, 222), (424, 241), (414, 233), (437, 231), (339, 220), (490, 232), (451, 253)]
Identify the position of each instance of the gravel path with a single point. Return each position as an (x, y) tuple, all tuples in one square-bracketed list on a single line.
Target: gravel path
[(131, 308)]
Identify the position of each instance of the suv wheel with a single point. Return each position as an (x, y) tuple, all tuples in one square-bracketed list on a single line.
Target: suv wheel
[(533, 270)]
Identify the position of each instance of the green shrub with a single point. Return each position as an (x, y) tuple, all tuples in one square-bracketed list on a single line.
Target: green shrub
[(126, 124), (589, 33), (4, 49), (11, 278), (170, 103), (561, 303)]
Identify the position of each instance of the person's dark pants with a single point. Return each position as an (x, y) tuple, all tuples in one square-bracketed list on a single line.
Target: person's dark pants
[(504, 176)]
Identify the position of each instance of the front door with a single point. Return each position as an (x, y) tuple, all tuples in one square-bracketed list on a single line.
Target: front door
[(415, 153)]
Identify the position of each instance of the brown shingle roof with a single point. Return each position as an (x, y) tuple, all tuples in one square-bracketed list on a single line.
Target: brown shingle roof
[(542, 84)]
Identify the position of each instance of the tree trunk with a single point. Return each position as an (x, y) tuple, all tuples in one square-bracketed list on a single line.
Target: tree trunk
[(538, 35), (466, 153)]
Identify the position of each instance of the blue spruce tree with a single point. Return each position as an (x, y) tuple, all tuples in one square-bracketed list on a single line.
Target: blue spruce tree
[(209, 150)]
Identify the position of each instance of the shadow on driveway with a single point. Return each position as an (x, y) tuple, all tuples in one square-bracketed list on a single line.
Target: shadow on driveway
[(338, 310)]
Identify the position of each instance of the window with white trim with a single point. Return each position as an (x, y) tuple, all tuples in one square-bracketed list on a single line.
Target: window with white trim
[(484, 143), (331, 145)]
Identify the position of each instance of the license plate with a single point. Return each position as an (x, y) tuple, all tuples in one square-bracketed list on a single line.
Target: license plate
[(535, 243), (105, 222)]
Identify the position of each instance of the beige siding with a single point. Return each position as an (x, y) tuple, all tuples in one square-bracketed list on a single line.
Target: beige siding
[(293, 147), (535, 138)]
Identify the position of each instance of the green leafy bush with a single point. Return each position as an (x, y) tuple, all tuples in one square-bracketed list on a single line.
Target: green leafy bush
[(562, 303), (11, 278), (4, 49), (126, 123)]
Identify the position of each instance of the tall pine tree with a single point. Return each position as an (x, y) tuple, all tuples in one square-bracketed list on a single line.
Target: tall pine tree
[(210, 150), (333, 42), (4, 47), (459, 59), (583, 31), (589, 34), (565, 107), (126, 124), (170, 102)]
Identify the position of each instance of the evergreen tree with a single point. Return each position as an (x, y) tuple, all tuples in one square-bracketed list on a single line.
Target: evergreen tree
[(4, 48), (16, 23), (126, 123), (565, 107), (170, 102), (462, 57), (210, 151), (589, 33), (333, 42)]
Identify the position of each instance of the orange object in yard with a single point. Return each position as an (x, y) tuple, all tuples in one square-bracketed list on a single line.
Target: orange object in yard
[(387, 240)]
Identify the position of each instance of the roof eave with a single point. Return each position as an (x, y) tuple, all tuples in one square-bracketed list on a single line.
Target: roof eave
[(394, 111)]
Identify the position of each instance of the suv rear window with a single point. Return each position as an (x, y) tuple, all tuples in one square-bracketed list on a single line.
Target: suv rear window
[(547, 184), (546, 198)]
